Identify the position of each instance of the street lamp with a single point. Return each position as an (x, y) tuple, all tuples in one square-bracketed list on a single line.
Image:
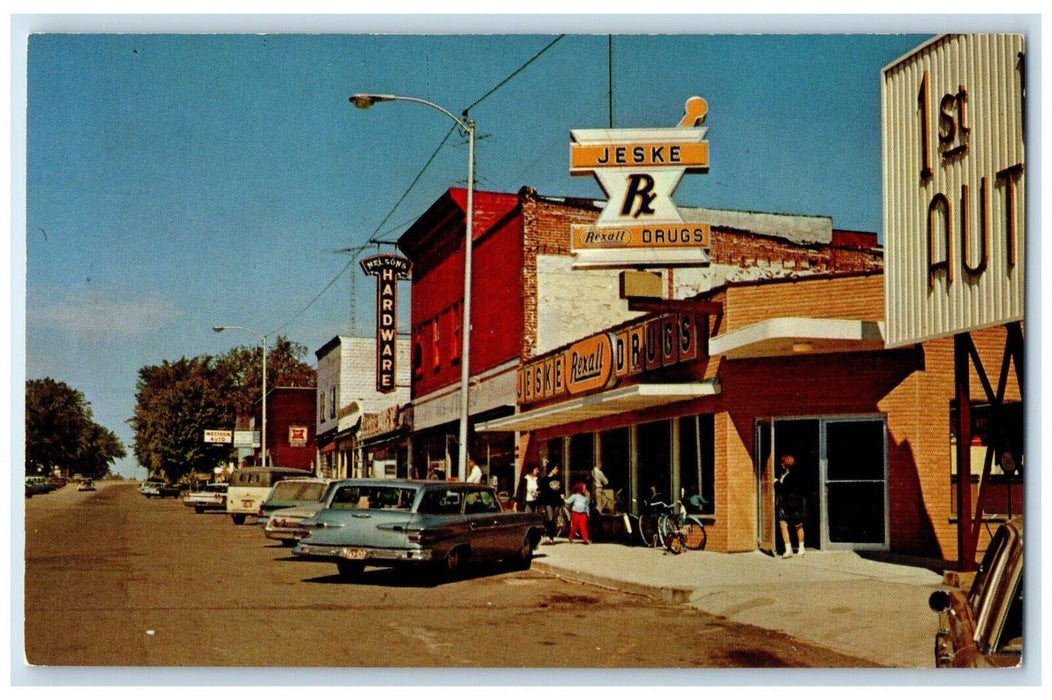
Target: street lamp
[(365, 101), (263, 427)]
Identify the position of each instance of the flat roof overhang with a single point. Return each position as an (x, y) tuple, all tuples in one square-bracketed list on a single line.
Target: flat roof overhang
[(607, 403), (791, 336)]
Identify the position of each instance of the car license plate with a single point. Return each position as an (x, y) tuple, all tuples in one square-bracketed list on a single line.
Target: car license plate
[(355, 553), (246, 504)]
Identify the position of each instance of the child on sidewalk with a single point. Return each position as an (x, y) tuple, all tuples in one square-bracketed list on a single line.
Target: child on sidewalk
[(579, 509)]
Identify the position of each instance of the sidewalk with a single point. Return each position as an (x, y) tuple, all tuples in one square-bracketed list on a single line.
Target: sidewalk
[(874, 610)]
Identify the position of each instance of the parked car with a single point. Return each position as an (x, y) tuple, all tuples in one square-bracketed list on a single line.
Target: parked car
[(395, 522), (249, 487), (286, 524), (207, 497), (151, 487), (86, 485), (36, 485), (170, 491), (983, 626), (290, 493)]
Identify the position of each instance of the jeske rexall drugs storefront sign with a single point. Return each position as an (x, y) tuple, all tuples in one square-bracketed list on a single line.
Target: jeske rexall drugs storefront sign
[(639, 170), (601, 360)]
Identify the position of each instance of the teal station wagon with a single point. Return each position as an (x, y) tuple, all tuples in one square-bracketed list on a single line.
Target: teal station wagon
[(444, 525)]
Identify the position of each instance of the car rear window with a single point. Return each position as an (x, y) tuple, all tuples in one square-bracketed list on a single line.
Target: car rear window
[(298, 491), (373, 497)]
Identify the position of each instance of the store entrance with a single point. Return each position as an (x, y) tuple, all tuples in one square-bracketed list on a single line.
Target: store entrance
[(841, 470)]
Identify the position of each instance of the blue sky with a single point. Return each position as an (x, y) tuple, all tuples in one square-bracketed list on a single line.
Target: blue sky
[(179, 181)]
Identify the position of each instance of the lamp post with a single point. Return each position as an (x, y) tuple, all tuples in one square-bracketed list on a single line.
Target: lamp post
[(365, 101), (263, 426)]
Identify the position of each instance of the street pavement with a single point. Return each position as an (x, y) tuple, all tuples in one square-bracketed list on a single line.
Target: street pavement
[(871, 606)]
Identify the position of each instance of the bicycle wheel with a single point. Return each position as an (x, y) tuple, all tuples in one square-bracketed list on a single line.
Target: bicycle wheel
[(648, 530), (666, 528), (694, 535)]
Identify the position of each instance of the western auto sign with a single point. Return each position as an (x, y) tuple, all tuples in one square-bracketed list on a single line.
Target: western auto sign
[(387, 269), (219, 436), (639, 169)]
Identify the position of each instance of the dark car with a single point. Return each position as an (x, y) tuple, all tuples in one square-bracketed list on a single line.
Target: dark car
[(170, 491), (396, 522), (983, 627)]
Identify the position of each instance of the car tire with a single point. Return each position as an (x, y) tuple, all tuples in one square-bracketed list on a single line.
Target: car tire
[(199, 509), (239, 518), (350, 570), (454, 563), (523, 558), (289, 543)]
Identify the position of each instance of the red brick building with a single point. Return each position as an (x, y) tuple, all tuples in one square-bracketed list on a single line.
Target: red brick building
[(290, 427)]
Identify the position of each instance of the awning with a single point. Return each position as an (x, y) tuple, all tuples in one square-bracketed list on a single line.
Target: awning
[(798, 336), (607, 403)]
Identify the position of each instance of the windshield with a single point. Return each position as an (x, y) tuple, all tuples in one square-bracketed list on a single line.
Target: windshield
[(373, 497)]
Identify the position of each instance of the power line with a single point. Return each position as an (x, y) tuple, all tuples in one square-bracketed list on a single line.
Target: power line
[(373, 240), (517, 71)]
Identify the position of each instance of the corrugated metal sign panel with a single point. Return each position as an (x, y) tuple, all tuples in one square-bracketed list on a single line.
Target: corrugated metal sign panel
[(954, 206)]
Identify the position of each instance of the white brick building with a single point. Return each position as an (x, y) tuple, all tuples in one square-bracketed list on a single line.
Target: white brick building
[(347, 394)]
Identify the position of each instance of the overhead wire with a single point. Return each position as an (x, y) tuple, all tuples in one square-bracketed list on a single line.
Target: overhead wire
[(373, 239)]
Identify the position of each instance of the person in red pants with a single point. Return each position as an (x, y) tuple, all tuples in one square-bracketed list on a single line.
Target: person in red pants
[(579, 507)]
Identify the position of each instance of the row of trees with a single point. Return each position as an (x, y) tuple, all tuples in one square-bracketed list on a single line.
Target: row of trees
[(175, 402), (60, 433)]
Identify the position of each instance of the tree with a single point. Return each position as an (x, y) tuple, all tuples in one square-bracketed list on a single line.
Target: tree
[(285, 367), (177, 401), (60, 432)]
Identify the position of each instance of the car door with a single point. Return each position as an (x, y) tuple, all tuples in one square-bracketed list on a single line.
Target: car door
[(482, 513)]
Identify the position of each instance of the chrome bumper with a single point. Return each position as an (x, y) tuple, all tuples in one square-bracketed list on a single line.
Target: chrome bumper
[(334, 552)]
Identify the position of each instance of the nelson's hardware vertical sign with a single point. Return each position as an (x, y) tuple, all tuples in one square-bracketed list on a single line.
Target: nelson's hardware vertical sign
[(387, 269), (639, 170)]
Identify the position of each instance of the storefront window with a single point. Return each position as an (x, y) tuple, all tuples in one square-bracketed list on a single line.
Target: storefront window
[(696, 461), (654, 447), (613, 455), (582, 457), (495, 453), (552, 453)]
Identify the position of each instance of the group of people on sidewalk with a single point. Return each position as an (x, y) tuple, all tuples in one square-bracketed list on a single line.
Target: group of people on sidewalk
[(542, 491)]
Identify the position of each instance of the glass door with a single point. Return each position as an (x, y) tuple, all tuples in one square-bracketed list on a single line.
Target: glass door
[(855, 504)]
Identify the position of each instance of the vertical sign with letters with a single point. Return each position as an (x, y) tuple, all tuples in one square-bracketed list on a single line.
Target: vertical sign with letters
[(387, 269)]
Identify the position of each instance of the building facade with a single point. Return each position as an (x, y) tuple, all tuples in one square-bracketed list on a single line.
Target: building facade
[(776, 346), (708, 404), (346, 395), (527, 299)]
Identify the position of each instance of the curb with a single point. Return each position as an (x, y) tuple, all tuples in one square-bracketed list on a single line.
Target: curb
[(668, 594)]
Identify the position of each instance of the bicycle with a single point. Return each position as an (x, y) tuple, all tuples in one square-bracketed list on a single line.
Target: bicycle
[(648, 519), (679, 529)]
